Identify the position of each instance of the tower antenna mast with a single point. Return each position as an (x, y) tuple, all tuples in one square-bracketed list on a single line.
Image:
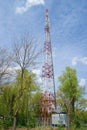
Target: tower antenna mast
[(48, 98)]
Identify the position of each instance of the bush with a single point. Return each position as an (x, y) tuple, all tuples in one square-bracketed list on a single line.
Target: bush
[(31, 123), (5, 122)]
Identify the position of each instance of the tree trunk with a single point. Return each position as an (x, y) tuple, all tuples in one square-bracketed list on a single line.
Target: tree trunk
[(73, 105), (68, 120), (18, 105), (15, 121)]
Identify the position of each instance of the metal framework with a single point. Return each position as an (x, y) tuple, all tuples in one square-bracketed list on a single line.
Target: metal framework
[(48, 98)]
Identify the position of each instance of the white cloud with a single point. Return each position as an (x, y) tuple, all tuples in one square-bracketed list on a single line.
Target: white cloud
[(38, 75), (28, 4), (36, 71), (84, 60), (76, 60), (82, 82), (9, 69)]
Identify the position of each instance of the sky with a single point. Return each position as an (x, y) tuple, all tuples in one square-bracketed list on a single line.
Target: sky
[(68, 28)]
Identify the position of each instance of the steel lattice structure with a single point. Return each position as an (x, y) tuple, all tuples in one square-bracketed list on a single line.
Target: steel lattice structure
[(48, 98)]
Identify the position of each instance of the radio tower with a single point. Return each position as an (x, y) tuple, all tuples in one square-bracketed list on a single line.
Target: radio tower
[(48, 98)]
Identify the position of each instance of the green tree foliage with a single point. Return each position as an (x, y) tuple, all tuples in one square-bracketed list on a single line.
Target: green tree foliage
[(81, 110), (28, 98), (28, 103), (68, 93), (7, 100)]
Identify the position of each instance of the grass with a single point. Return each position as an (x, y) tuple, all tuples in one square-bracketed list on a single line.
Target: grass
[(82, 128), (49, 128)]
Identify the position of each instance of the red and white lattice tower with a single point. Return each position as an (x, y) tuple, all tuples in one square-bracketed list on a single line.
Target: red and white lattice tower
[(48, 98)]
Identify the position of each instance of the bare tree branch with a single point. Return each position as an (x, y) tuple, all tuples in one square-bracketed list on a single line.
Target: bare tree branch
[(25, 53), (5, 61)]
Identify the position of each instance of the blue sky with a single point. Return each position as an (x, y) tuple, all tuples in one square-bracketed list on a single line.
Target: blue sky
[(68, 21)]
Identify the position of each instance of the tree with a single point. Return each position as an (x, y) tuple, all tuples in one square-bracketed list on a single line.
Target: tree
[(30, 90), (69, 93), (5, 61), (81, 110), (9, 99), (25, 54)]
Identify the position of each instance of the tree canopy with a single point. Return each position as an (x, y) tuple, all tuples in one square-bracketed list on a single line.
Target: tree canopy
[(68, 93)]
